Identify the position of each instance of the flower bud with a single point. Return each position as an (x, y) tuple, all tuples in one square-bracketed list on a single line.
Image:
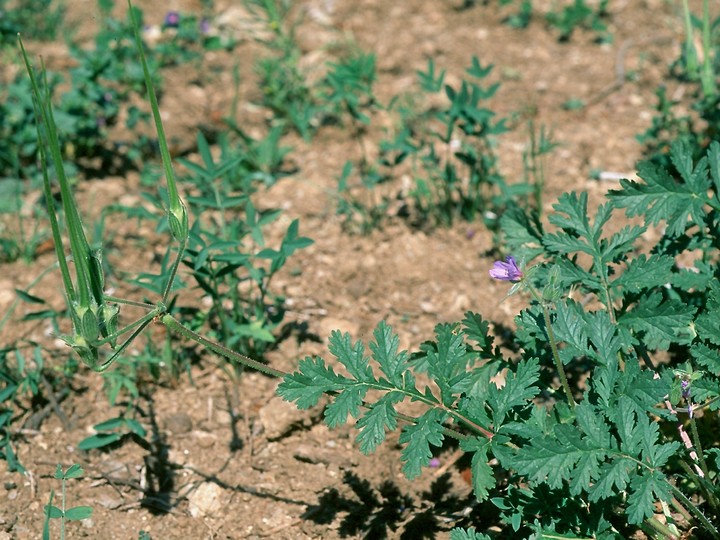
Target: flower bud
[(109, 321), (178, 222), (97, 279), (87, 353), (89, 326)]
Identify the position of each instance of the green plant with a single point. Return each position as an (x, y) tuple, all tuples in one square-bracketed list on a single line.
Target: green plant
[(283, 83), (209, 248), (28, 384), (565, 19), (541, 143), (35, 19), (19, 377), (580, 15), (286, 93), (519, 19), (348, 87), (701, 124), (103, 85), (183, 37), (227, 263), (599, 443), (76, 513), (18, 141), (20, 237), (113, 431), (451, 157), (226, 255)]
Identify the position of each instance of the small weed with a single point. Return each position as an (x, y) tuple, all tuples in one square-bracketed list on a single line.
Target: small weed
[(348, 87), (284, 87), (451, 155), (35, 19), (700, 124), (540, 144), (580, 15), (113, 431), (75, 513)]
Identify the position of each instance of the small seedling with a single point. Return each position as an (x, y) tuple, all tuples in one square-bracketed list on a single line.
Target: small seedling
[(75, 513)]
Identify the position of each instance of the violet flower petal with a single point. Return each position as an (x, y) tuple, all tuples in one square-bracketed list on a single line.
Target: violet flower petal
[(172, 19), (506, 271)]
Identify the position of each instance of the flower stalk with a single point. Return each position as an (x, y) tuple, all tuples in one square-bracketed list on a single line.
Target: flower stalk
[(510, 271)]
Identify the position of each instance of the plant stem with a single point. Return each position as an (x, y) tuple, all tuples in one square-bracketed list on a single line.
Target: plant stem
[(116, 300), (141, 321), (661, 528), (708, 76), (174, 270), (62, 518), (173, 324), (553, 346), (556, 357), (687, 504), (102, 367), (690, 52), (698, 445)]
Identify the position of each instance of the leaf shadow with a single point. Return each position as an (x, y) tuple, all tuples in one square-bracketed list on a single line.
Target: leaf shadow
[(384, 511)]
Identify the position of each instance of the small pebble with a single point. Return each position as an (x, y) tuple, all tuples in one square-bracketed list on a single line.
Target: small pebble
[(178, 423)]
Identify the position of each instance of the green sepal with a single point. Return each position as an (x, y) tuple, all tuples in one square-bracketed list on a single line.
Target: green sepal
[(97, 278), (87, 353), (178, 222), (89, 326), (109, 315)]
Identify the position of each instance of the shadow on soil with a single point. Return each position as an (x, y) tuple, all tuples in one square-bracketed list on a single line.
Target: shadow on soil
[(160, 476), (379, 512)]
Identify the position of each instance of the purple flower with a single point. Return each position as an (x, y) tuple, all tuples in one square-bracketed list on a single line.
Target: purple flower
[(204, 26), (172, 19), (434, 463), (506, 271), (685, 386)]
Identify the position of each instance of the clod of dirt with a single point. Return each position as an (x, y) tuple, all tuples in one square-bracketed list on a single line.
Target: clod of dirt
[(178, 423), (206, 500), (313, 455), (328, 324), (278, 418), (109, 502)]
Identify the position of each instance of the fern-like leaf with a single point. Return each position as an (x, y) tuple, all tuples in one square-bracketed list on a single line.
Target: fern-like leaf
[(418, 437)]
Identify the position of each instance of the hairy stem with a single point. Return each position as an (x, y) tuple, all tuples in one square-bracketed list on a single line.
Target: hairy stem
[(662, 529), (688, 505), (174, 270), (124, 301), (141, 321), (553, 346), (176, 326), (698, 445), (556, 357)]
